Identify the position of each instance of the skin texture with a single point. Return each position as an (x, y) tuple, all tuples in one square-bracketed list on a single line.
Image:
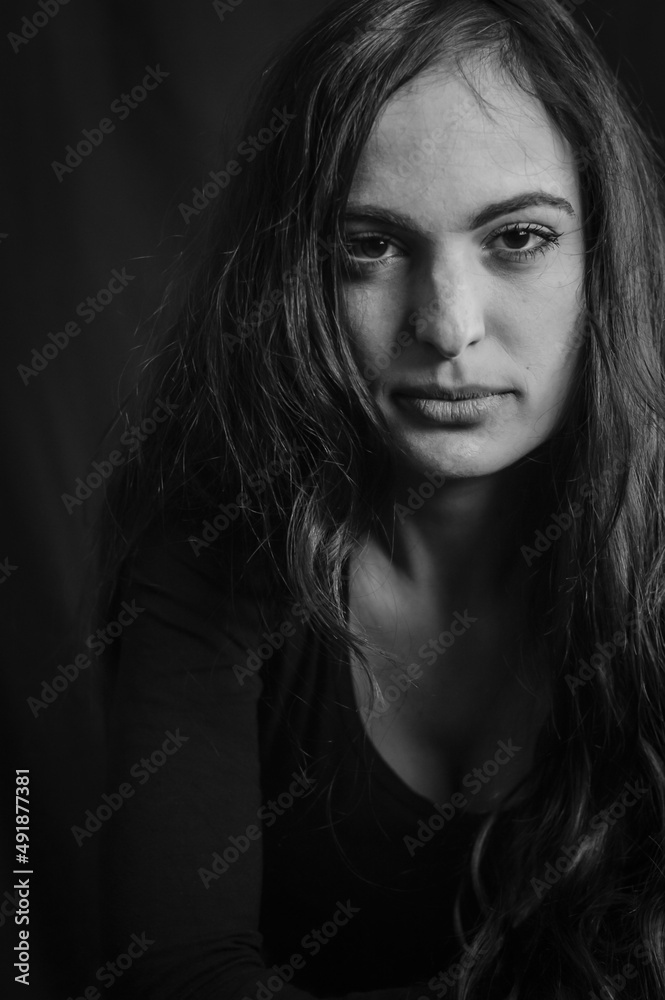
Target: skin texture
[(508, 323), (492, 314)]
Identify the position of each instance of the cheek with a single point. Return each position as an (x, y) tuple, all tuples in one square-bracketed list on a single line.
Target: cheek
[(357, 309), (544, 333), (374, 316)]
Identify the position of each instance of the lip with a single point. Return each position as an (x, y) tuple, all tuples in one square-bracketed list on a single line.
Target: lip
[(452, 393), (436, 406)]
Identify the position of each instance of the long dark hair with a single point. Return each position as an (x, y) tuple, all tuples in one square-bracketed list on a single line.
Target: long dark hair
[(262, 370)]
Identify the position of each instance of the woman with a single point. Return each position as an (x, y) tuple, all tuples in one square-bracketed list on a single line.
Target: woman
[(389, 718)]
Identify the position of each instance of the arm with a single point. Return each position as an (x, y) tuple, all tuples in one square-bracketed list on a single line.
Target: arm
[(183, 736)]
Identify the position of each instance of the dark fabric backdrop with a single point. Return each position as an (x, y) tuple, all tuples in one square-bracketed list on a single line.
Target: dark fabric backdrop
[(62, 234)]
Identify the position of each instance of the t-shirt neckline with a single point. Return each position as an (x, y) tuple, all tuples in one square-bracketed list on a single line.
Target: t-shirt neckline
[(364, 744)]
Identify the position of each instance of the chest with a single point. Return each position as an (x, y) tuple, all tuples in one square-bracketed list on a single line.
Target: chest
[(456, 704)]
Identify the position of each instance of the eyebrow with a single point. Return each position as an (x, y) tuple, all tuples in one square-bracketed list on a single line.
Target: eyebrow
[(530, 199)]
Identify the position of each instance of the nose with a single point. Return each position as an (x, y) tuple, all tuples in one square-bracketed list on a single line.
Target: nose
[(450, 312)]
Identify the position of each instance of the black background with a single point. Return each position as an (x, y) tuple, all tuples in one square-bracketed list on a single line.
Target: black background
[(59, 241)]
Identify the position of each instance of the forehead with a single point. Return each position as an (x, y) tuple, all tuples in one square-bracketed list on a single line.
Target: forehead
[(475, 144)]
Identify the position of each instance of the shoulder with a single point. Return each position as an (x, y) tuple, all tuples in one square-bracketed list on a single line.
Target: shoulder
[(218, 592), (172, 552)]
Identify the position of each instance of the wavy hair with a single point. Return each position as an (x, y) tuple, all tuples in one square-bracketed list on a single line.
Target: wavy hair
[(260, 343)]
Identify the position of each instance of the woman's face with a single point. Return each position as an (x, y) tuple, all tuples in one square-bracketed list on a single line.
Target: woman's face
[(464, 227)]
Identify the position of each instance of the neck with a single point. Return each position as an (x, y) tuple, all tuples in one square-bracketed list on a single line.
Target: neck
[(463, 536)]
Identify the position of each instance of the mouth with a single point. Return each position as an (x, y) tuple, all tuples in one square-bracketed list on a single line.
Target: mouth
[(439, 406), (453, 393)]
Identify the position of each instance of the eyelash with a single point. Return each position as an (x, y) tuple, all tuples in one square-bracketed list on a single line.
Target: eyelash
[(549, 236)]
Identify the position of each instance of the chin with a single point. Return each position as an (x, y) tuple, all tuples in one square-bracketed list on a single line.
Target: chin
[(462, 458)]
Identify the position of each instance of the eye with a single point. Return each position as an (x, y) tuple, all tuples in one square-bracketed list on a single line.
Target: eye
[(367, 251), (522, 242)]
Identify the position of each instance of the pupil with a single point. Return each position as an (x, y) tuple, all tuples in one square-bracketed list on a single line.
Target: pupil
[(517, 239), (374, 247)]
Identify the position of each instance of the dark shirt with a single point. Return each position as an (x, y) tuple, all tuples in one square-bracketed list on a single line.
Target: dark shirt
[(259, 827)]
